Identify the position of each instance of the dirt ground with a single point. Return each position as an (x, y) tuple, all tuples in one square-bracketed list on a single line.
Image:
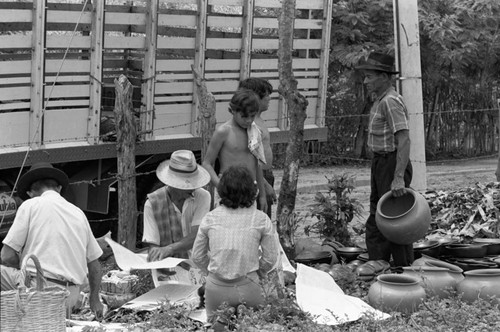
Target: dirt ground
[(446, 176)]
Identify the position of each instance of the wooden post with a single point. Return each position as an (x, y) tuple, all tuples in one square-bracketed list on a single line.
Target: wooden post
[(206, 121), (497, 173), (408, 63), (125, 146), (296, 105)]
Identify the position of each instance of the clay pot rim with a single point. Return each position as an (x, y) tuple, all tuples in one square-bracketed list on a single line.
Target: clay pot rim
[(389, 194), (486, 241), (423, 268), (449, 266), (483, 272), (398, 279)]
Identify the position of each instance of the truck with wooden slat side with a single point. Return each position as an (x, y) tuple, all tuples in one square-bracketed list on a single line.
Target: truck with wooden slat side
[(59, 61)]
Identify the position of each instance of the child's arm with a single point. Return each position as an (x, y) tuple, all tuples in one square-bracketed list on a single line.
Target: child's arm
[(212, 153), (261, 184)]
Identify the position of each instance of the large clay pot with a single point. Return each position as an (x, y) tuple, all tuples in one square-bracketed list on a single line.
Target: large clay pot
[(455, 271), (396, 292), (483, 283), (437, 281), (404, 219)]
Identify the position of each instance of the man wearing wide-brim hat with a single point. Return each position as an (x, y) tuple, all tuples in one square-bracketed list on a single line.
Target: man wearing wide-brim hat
[(57, 233), (172, 213), (391, 170)]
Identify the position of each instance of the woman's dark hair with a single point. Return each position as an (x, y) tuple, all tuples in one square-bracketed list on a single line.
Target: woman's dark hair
[(258, 85), (237, 187), (244, 101)]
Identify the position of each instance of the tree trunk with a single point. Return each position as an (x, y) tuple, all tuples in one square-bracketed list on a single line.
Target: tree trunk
[(206, 119), (296, 105), (125, 147)]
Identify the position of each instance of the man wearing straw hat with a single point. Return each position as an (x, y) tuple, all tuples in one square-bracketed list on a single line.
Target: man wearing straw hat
[(57, 233), (173, 213), (391, 170)]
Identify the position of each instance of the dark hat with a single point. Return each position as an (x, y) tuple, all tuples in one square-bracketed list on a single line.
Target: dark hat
[(38, 171), (379, 62)]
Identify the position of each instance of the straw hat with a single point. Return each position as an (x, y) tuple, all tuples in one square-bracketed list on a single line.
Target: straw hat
[(182, 172), (38, 171), (379, 62)]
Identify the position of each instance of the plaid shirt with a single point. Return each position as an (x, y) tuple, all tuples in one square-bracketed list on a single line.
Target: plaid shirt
[(388, 115)]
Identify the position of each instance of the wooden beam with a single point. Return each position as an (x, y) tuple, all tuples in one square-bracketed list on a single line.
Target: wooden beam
[(246, 41), (199, 58), (148, 110), (125, 147), (97, 40), (37, 73), (410, 78), (323, 63)]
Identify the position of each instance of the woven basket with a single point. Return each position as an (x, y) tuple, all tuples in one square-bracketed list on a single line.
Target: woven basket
[(29, 309)]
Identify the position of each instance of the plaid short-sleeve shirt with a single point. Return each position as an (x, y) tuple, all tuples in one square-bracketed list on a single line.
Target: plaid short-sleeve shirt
[(388, 115)]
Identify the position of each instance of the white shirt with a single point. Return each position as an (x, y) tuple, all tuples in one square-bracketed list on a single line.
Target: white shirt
[(57, 233)]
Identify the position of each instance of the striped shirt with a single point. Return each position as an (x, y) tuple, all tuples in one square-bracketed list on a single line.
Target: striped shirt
[(388, 115), (228, 241)]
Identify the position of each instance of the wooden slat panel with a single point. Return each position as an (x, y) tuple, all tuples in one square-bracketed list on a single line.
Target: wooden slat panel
[(74, 128), (60, 16), (125, 18), (15, 15), (300, 4), (172, 88), (21, 92), (16, 41), (260, 64), (224, 44), (225, 21), (272, 23), (304, 83), (70, 78), (15, 67), (68, 66), (70, 103), (173, 99), (14, 80), (66, 91), (298, 44), (14, 106), (174, 65), (62, 41), (222, 86), (176, 43), (218, 76), (177, 20), (14, 129), (226, 64), (172, 77), (124, 42), (172, 119)]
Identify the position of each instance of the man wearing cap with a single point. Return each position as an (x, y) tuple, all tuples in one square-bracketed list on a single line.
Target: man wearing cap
[(57, 233), (172, 214), (391, 170)]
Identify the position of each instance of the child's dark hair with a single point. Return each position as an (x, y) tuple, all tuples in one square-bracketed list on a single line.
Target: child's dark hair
[(244, 101), (237, 187), (44, 183), (258, 85)]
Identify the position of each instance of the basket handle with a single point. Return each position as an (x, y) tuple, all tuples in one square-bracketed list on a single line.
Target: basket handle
[(40, 279)]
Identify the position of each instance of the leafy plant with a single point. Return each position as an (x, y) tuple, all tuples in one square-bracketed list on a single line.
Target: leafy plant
[(335, 209)]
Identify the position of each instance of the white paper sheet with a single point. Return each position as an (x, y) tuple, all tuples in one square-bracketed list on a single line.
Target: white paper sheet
[(174, 293), (128, 260), (319, 295)]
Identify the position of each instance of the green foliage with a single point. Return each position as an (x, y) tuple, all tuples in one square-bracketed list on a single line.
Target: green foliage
[(335, 209)]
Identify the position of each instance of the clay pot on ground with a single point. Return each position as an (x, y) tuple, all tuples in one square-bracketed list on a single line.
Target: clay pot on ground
[(421, 261), (396, 292), (404, 219), (311, 258), (492, 245), (463, 250), (483, 283), (456, 272), (429, 248), (437, 281)]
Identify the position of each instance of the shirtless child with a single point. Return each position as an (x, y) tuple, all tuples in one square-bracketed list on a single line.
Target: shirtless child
[(263, 89), (230, 142)]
